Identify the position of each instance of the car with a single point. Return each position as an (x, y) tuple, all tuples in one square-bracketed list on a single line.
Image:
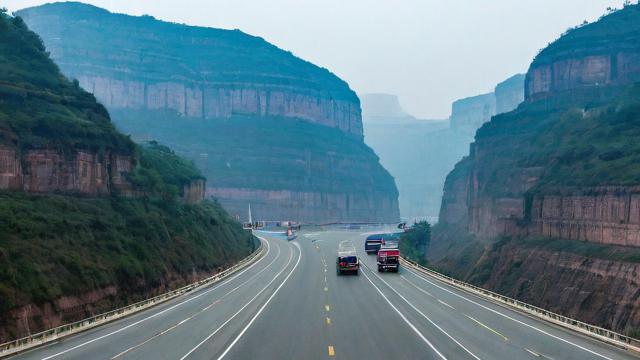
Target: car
[(347, 260)]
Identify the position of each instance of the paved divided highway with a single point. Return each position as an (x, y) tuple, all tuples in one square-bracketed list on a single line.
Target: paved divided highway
[(291, 305)]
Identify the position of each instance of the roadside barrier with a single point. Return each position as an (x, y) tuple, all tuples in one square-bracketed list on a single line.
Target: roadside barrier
[(44, 337), (593, 331)]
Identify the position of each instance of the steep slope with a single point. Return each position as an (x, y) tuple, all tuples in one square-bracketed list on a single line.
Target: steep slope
[(89, 220), (557, 181), (170, 82)]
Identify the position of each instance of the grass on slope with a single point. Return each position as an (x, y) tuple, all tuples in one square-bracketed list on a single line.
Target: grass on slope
[(58, 245), (39, 107)]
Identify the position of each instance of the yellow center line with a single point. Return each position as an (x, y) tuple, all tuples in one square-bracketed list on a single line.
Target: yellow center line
[(486, 327), (327, 308), (331, 351)]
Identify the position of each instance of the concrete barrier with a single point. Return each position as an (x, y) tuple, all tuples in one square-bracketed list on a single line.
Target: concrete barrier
[(44, 337)]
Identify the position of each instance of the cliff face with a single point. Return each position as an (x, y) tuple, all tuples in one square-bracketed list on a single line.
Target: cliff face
[(141, 63), (597, 290), (44, 171), (548, 196), (470, 113), (509, 93), (71, 244), (163, 81), (598, 54)]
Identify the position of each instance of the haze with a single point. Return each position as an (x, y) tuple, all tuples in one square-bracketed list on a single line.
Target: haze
[(427, 52)]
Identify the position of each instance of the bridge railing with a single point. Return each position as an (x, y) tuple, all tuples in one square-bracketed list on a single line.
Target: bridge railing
[(593, 331), (28, 342)]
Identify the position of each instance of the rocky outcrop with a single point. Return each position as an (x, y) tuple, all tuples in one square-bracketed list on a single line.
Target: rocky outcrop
[(594, 55), (211, 100), (197, 88), (547, 203), (606, 215), (46, 171), (196, 72), (509, 93), (381, 106), (595, 290), (470, 113)]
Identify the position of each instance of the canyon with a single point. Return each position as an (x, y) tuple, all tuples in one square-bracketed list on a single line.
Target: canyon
[(401, 141), (547, 199), (232, 103)]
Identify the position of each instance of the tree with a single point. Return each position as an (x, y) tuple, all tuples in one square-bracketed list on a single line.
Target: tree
[(414, 243)]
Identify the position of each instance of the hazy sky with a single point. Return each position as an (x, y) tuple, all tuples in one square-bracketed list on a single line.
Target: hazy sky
[(428, 52)]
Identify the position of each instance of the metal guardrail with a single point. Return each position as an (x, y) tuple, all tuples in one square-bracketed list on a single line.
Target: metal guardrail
[(593, 331), (41, 338)]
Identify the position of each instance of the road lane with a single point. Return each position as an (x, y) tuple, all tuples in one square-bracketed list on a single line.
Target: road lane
[(291, 304)]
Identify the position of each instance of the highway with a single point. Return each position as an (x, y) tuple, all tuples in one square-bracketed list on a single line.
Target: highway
[(290, 304)]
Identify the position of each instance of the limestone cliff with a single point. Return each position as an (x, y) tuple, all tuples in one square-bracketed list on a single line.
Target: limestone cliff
[(89, 220), (599, 54), (166, 81), (470, 113), (551, 188)]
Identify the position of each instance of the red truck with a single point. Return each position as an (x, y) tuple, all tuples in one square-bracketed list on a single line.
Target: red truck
[(388, 258)]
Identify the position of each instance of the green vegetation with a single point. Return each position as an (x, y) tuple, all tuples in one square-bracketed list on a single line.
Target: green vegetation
[(415, 242), (54, 246), (39, 107), (579, 139), (265, 153), (161, 171), (612, 33)]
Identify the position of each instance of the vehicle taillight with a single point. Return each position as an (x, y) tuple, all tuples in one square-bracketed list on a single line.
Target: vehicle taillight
[(343, 264)]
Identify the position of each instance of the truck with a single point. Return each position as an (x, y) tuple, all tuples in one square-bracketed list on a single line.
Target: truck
[(388, 258), (347, 260), (373, 242)]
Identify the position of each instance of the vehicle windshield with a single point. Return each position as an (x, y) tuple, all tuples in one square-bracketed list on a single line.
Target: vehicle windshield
[(349, 259)]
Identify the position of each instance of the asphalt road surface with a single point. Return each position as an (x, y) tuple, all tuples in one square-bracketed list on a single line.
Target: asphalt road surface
[(291, 304)]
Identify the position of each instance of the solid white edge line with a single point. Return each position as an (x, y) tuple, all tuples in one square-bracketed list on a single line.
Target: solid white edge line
[(241, 309), (197, 313), (161, 312), (404, 318), (508, 317), (425, 316), (263, 306)]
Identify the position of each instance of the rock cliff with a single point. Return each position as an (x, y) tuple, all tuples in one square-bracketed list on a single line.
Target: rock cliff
[(72, 245), (556, 173), (165, 81), (509, 93), (599, 54), (470, 113)]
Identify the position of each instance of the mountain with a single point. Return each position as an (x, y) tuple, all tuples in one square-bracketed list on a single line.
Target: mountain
[(90, 221), (546, 206), (265, 127), (399, 139)]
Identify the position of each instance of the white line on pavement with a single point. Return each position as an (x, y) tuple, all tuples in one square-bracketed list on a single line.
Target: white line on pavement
[(263, 306), (241, 309), (158, 313), (425, 316), (405, 319), (509, 317)]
